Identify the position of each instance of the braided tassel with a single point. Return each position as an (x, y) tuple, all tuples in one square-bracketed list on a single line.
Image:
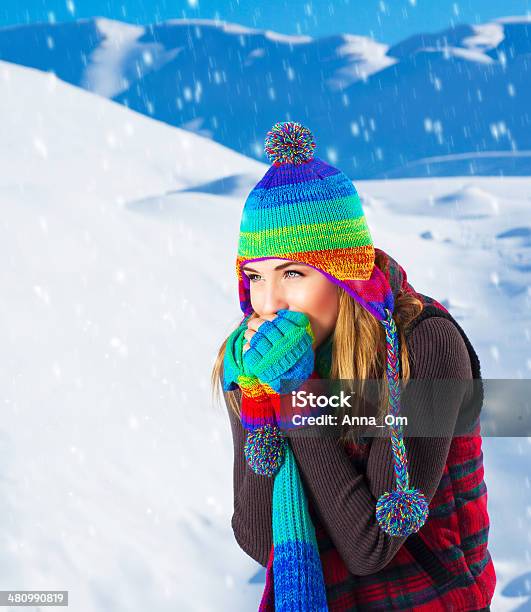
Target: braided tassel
[(403, 511)]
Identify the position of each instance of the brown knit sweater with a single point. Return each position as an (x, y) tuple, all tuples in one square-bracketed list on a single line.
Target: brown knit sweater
[(344, 497)]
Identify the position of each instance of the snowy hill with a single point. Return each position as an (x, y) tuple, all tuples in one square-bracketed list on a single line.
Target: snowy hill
[(451, 103), (117, 243), (106, 348)]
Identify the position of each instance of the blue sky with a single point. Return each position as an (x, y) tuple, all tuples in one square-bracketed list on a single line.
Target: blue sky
[(386, 20)]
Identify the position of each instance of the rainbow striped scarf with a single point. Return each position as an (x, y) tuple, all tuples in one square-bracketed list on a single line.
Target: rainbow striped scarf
[(294, 578)]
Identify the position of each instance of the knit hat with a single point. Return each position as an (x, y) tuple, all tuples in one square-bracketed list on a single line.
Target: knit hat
[(305, 210)]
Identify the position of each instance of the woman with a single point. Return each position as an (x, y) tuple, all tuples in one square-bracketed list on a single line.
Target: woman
[(348, 523)]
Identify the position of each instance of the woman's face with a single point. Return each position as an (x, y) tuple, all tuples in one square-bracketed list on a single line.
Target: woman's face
[(277, 284)]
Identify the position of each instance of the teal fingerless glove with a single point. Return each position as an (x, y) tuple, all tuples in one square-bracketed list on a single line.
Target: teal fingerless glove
[(281, 350)]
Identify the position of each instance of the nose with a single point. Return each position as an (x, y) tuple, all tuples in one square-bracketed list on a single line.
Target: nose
[(273, 299)]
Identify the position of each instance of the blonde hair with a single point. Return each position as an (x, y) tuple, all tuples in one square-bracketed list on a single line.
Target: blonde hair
[(358, 351)]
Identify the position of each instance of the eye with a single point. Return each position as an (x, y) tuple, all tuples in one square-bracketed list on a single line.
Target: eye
[(256, 277), (294, 272)]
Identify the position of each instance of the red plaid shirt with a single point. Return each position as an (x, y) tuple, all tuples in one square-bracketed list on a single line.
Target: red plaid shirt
[(445, 566)]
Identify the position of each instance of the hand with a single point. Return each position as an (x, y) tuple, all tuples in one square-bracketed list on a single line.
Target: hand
[(253, 324), (280, 348), (237, 343)]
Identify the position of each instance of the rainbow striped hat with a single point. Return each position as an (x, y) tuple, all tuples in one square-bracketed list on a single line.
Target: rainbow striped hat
[(305, 210)]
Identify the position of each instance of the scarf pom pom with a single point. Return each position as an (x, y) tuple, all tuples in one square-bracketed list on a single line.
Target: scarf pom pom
[(401, 513), (265, 449)]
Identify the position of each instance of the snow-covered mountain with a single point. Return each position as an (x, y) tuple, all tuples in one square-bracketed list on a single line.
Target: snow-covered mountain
[(117, 241), (451, 103)]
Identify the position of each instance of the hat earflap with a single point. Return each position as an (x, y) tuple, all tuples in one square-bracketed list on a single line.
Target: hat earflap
[(404, 510)]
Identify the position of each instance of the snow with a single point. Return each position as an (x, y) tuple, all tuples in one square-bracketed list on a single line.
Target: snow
[(103, 75), (367, 57), (286, 38), (105, 418), (235, 28), (117, 241), (109, 63), (466, 202), (471, 55), (514, 19), (487, 36), (135, 154)]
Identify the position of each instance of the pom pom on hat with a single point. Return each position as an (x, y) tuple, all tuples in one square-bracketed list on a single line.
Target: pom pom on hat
[(289, 142)]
